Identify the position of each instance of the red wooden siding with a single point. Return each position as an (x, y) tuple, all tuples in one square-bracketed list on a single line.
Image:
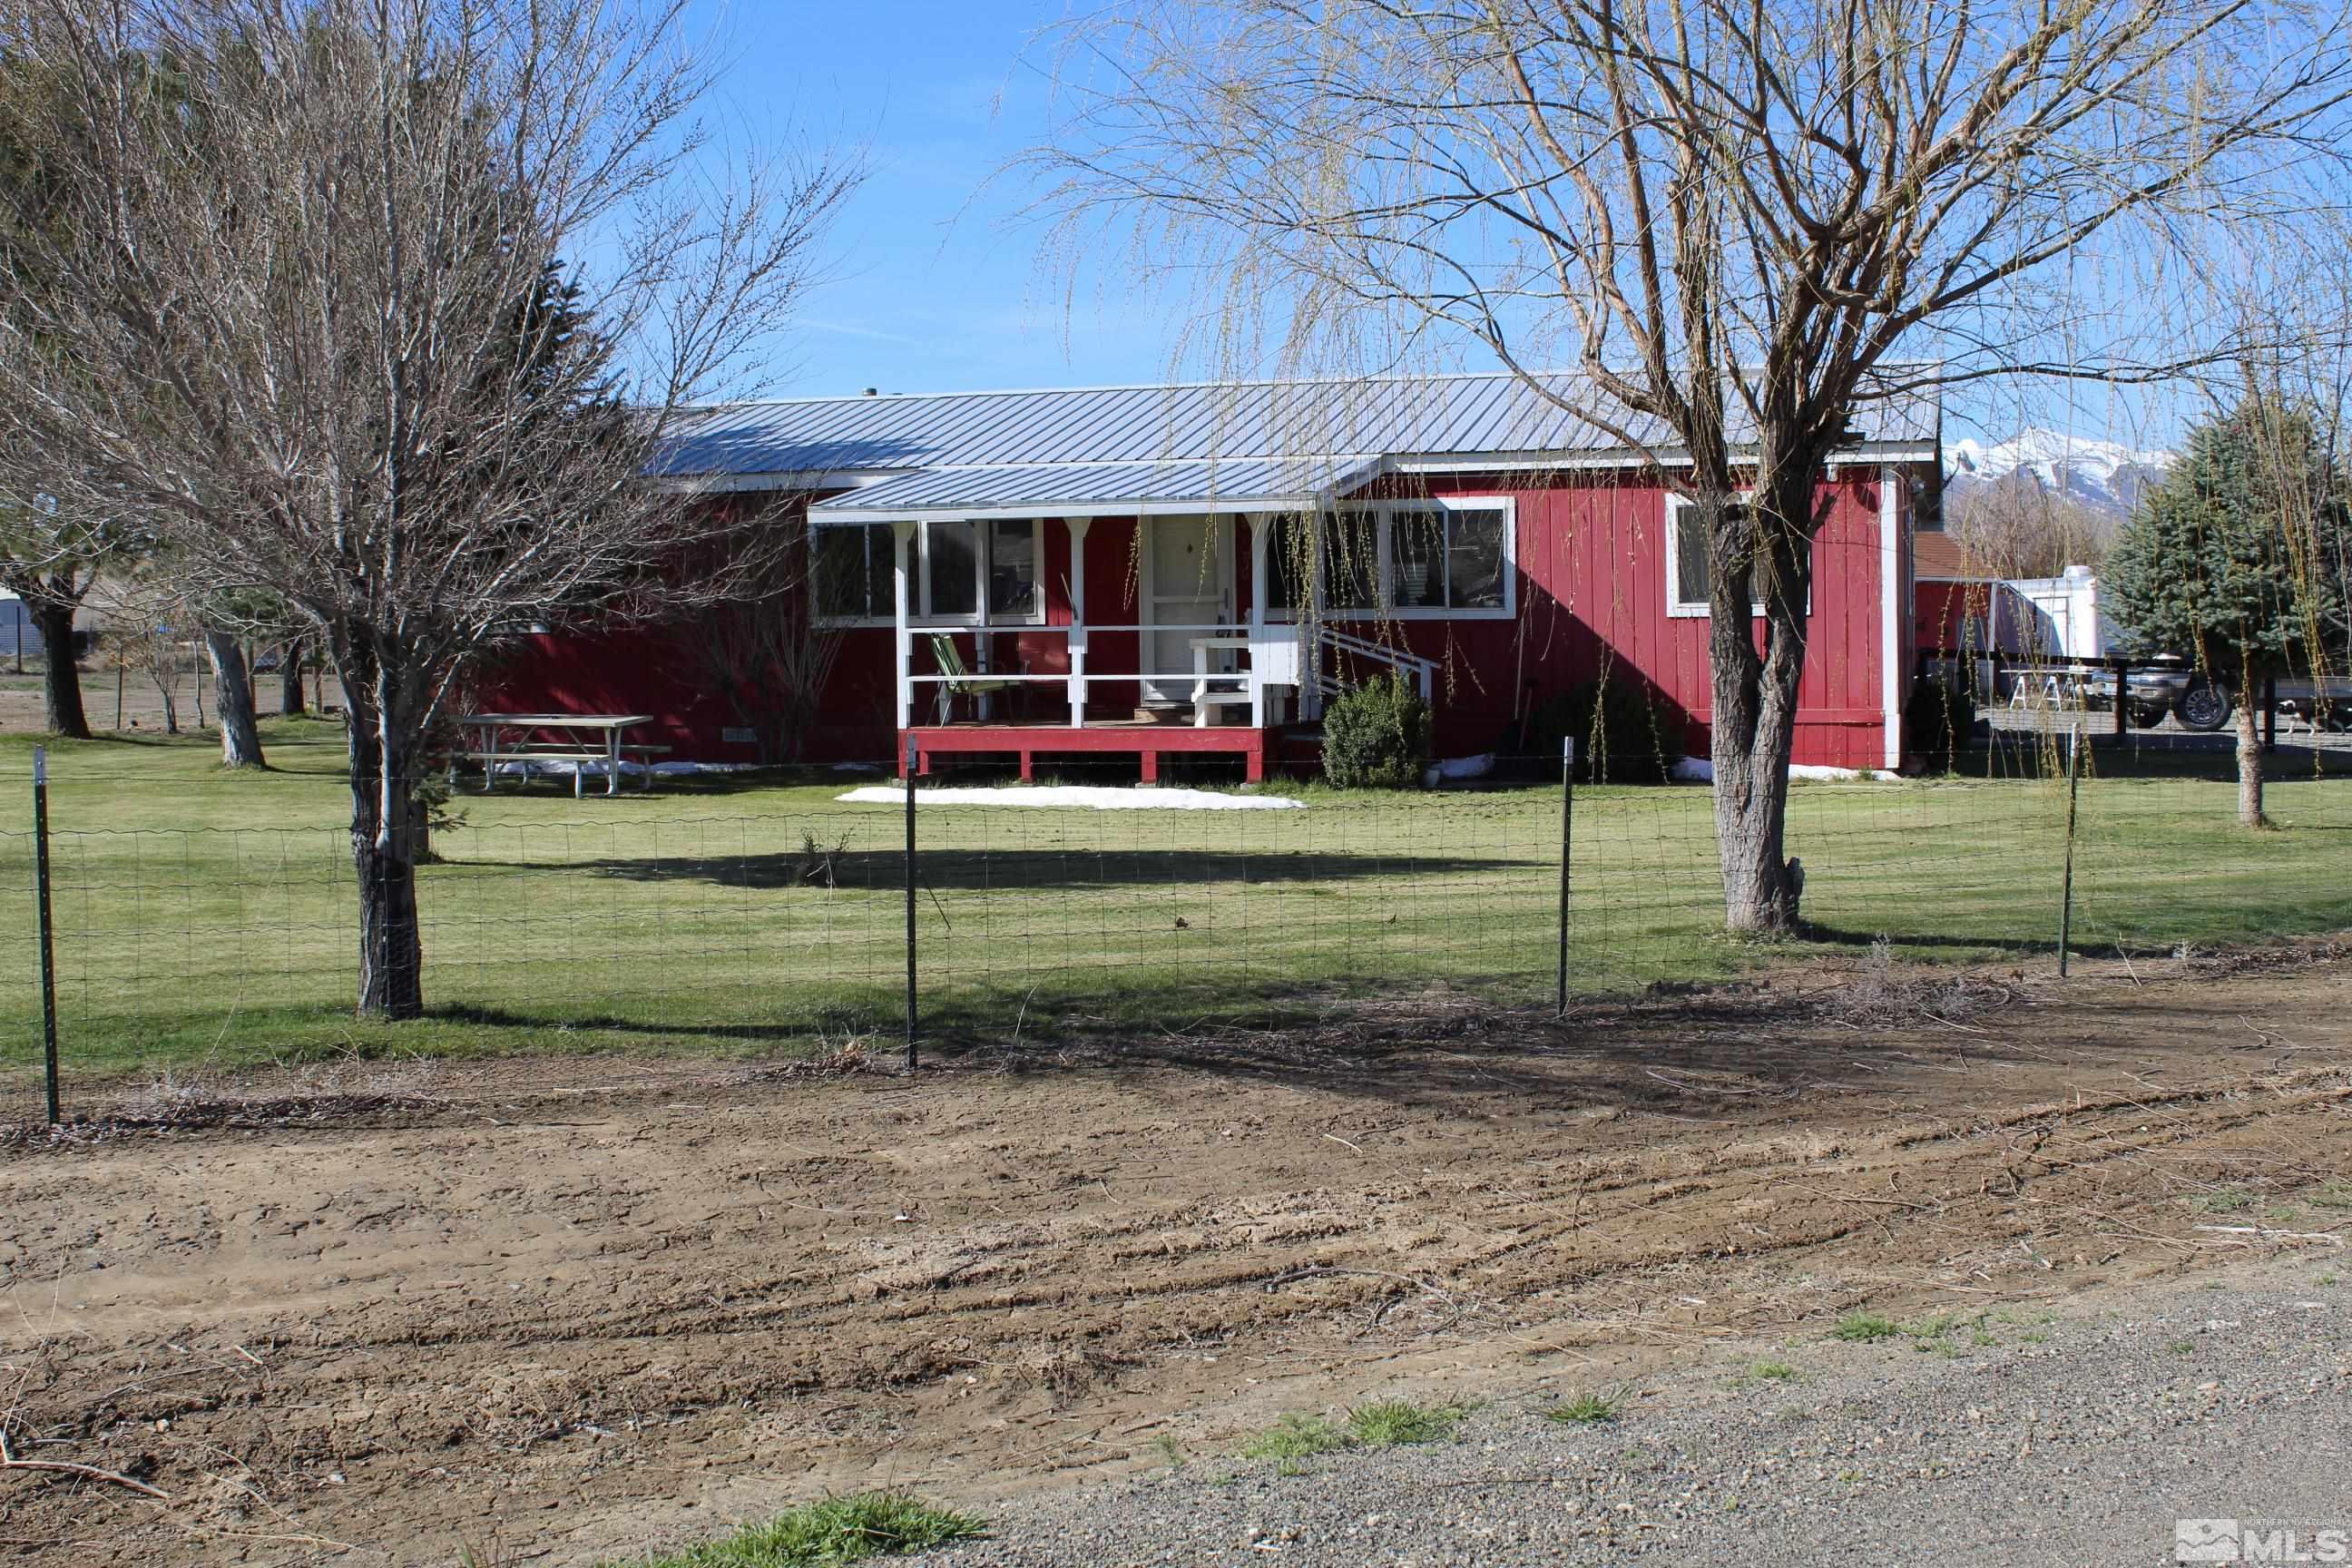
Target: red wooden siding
[(1591, 593)]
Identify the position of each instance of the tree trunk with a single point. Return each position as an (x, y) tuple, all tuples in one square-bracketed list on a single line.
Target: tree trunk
[(61, 681), (167, 684), (233, 696), (392, 947), (2250, 754), (290, 704), (1752, 732), (1751, 819)]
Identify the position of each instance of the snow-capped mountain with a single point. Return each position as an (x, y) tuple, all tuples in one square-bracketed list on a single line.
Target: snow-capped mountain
[(2105, 476)]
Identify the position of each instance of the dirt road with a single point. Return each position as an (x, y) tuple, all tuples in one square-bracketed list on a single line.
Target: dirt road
[(573, 1309)]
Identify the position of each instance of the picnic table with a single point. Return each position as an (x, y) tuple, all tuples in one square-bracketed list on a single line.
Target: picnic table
[(556, 738)]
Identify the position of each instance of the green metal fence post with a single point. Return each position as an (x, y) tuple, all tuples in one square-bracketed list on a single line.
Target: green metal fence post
[(1567, 833), (2066, 895), (48, 948), (912, 756)]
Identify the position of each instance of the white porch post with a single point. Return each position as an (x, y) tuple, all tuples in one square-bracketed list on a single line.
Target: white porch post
[(1077, 527), (1893, 610), (902, 542), (1259, 527)]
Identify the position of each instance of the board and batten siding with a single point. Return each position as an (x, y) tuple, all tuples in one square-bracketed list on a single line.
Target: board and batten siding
[(1591, 594)]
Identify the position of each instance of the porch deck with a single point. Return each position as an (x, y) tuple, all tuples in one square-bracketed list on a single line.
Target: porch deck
[(1139, 738)]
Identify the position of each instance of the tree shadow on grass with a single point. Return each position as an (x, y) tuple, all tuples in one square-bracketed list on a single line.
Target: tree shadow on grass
[(821, 1024), (1008, 870)]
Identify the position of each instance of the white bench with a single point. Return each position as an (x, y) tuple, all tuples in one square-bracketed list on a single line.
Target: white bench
[(1207, 699)]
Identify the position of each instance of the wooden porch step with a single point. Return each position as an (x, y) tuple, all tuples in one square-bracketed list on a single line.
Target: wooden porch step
[(1146, 742)]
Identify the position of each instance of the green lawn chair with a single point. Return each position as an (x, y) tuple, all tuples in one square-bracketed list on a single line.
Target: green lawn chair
[(961, 682)]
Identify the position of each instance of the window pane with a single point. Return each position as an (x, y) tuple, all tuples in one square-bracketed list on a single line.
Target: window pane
[(1350, 567), (1690, 556), (955, 569), (1286, 566), (1474, 560), (840, 569), (881, 572), (1012, 571), (1417, 559)]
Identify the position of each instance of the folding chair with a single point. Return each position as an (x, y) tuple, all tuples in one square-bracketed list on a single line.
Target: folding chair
[(959, 682)]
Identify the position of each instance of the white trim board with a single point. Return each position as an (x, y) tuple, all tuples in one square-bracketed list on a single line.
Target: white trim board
[(1890, 602)]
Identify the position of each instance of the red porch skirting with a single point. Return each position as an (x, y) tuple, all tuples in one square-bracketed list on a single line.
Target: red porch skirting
[(1028, 742)]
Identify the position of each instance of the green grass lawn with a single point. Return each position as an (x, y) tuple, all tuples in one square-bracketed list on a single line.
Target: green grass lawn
[(204, 917)]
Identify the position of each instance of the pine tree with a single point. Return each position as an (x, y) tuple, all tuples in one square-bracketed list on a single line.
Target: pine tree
[(2238, 561)]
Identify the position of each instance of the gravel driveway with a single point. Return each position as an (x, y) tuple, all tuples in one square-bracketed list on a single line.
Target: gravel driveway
[(2072, 1432)]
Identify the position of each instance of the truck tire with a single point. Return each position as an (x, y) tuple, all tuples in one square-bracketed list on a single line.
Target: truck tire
[(2206, 706)]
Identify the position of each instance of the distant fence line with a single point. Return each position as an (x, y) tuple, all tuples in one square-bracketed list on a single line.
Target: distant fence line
[(744, 918)]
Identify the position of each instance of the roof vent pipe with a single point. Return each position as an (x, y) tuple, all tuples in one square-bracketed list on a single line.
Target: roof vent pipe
[(873, 392)]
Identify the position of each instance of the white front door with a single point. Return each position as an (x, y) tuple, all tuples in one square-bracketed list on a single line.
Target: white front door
[(1188, 583)]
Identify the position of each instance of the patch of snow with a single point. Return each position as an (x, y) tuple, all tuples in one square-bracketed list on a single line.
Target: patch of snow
[(1698, 770), (1455, 768), (597, 769), (1082, 797), (2102, 474)]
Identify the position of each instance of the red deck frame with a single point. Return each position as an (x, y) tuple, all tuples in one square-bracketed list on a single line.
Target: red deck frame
[(1026, 742)]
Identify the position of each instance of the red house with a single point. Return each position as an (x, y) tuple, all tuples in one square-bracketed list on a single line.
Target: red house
[(1116, 571)]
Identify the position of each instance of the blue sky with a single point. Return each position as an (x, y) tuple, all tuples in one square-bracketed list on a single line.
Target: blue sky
[(937, 286), (938, 282)]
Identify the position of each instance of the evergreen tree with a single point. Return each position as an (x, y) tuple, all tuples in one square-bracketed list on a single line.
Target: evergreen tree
[(2238, 561)]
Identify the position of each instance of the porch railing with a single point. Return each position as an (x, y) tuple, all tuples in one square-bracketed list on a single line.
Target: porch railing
[(1272, 666), (1326, 672), (1271, 655)]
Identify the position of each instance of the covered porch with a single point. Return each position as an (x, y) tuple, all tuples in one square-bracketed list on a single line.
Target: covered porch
[(1055, 613)]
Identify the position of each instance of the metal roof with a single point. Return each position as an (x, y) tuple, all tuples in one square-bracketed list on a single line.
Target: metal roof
[(1123, 489), (1471, 415)]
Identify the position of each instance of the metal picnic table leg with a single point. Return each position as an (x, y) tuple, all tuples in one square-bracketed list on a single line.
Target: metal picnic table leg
[(489, 756), (612, 760)]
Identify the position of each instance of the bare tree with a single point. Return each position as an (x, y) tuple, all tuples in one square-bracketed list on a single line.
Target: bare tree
[(765, 645), (1746, 222), (290, 701), (2015, 527), (233, 698), (384, 309), (52, 557)]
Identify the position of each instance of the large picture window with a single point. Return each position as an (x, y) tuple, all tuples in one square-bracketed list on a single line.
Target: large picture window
[(1015, 592), (959, 568), (1449, 560), (951, 568), (854, 573)]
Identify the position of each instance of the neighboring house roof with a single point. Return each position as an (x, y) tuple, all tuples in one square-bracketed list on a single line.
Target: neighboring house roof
[(1938, 557), (1230, 442)]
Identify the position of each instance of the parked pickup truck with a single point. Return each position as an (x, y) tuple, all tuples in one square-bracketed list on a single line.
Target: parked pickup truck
[(2162, 685)]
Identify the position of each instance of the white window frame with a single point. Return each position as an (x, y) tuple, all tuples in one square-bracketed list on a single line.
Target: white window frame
[(1676, 607), (817, 601), (984, 546), (1385, 607), (1038, 531), (919, 566)]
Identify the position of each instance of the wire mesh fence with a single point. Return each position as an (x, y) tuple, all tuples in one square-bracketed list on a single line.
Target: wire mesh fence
[(766, 917)]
